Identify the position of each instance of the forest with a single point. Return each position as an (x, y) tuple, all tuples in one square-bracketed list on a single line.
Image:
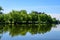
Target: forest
[(22, 29), (22, 16)]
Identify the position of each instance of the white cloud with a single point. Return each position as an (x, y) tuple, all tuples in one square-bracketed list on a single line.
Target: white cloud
[(57, 28), (57, 16)]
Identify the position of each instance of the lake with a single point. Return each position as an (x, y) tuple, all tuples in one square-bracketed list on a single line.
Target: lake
[(30, 32)]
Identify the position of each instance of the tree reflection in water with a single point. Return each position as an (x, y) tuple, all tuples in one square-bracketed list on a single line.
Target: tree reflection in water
[(22, 29)]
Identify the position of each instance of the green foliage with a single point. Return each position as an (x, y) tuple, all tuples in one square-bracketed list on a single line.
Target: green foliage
[(22, 29), (1, 9), (24, 17)]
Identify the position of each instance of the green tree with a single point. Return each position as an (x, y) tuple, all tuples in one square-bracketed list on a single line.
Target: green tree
[(1, 9)]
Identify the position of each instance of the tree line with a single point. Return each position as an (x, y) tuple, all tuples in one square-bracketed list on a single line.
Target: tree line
[(22, 16), (22, 29)]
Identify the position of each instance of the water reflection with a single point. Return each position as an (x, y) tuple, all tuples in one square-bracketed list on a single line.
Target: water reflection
[(22, 29)]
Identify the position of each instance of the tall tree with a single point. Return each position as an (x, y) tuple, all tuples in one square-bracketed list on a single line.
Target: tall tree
[(1, 9)]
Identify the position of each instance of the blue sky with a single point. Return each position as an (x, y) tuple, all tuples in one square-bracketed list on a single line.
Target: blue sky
[(47, 6)]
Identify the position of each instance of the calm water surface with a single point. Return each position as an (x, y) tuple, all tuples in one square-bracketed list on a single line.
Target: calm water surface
[(30, 32)]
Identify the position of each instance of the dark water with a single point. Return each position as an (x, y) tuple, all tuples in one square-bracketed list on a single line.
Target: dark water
[(30, 32)]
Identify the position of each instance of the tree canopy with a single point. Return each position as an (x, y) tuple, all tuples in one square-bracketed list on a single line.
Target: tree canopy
[(23, 17)]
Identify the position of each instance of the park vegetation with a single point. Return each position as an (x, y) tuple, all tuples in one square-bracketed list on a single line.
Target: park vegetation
[(18, 17)]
